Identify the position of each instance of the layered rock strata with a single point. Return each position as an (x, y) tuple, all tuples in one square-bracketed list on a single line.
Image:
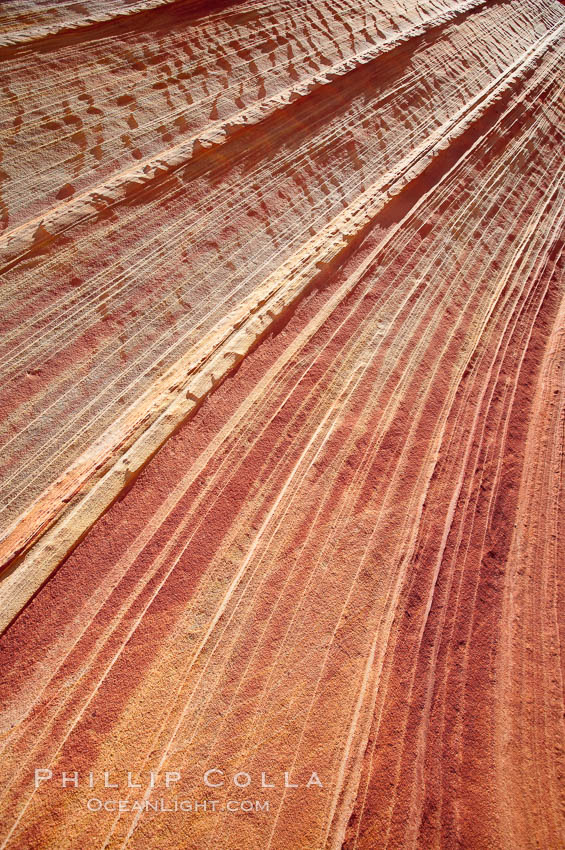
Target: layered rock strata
[(282, 435)]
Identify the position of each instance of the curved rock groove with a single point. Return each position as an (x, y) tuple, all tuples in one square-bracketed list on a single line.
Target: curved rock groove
[(283, 424)]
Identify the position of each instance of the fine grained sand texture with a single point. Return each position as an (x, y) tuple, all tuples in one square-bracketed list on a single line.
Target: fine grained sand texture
[(282, 435)]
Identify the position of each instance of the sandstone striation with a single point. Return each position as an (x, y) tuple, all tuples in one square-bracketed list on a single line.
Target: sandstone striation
[(282, 432)]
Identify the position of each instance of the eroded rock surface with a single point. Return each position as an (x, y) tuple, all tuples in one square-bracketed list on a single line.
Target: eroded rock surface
[(283, 336)]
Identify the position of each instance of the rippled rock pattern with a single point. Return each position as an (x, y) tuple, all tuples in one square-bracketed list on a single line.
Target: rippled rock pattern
[(282, 433)]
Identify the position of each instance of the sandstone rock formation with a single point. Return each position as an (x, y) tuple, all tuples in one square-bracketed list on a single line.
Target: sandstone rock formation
[(282, 433)]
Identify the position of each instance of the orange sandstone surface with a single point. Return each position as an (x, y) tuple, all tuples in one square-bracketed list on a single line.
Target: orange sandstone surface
[(282, 527)]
